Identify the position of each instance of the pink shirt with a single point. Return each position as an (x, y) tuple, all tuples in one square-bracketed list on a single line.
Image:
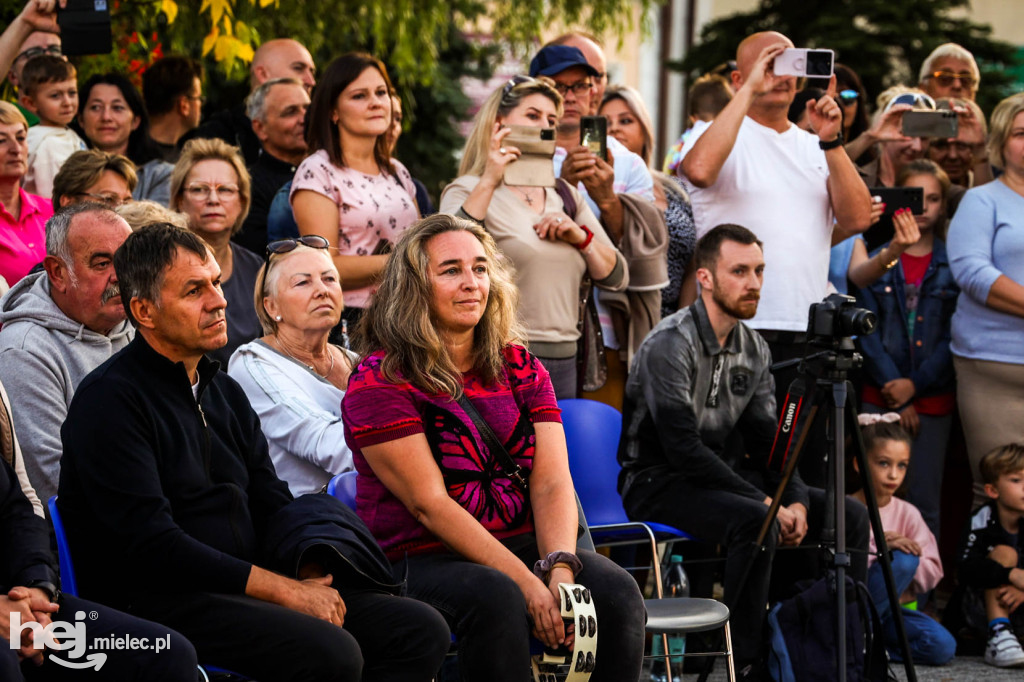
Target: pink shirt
[(23, 238), (904, 518), (372, 208)]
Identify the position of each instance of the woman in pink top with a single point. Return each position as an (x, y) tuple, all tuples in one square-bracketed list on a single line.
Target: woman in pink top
[(349, 190), (23, 216), (916, 566)]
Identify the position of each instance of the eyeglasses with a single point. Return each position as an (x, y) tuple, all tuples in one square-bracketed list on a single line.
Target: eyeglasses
[(578, 88), (196, 98), (848, 97), (917, 100), (200, 192), (31, 52), (313, 241), (946, 78), (514, 82), (108, 200)]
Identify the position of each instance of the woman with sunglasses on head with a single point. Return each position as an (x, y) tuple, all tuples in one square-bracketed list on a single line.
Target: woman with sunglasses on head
[(550, 249), (294, 377), (112, 118), (211, 186), (484, 529), (854, 102), (349, 190)]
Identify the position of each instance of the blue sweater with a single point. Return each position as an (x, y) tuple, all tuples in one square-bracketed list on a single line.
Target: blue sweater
[(986, 240)]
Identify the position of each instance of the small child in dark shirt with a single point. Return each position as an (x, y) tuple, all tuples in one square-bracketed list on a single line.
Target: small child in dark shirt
[(991, 566)]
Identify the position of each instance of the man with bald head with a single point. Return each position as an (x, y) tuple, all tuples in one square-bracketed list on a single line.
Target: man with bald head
[(279, 58), (58, 326), (794, 189)]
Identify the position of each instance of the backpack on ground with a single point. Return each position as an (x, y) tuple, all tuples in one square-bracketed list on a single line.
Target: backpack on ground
[(803, 635)]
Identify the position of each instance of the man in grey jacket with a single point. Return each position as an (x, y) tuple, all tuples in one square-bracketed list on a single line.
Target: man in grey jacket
[(58, 326)]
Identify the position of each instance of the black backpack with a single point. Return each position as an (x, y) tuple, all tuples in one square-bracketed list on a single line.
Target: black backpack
[(803, 635)]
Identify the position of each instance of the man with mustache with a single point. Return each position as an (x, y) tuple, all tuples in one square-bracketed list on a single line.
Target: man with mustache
[(698, 423), (752, 167), (58, 326)]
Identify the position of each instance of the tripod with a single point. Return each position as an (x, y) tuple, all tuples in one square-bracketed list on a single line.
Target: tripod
[(829, 370)]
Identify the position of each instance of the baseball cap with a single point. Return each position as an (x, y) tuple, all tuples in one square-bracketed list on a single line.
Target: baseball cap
[(555, 59)]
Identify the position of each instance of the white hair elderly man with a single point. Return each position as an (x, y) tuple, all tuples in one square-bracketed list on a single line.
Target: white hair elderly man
[(58, 326), (950, 71)]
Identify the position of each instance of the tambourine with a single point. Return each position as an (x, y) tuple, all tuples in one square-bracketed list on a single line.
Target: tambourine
[(577, 607)]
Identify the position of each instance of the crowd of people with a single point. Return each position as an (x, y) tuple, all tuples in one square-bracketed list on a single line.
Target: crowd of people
[(206, 319)]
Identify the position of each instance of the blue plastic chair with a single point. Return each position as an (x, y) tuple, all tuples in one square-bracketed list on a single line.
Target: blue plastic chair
[(343, 486), (592, 432), (69, 584)]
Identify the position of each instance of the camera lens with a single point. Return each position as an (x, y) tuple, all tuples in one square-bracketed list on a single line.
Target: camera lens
[(856, 322)]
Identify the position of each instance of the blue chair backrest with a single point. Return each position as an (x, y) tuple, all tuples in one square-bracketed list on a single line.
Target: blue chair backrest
[(68, 583), (592, 431), (343, 486)]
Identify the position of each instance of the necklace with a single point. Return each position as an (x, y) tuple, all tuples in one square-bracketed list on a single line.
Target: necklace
[(524, 194), (311, 368)]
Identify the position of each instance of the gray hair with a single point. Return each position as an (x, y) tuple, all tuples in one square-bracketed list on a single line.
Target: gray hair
[(59, 226), (256, 102), (953, 51)]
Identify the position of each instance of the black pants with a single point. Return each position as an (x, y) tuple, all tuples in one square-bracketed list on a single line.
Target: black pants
[(733, 521), (386, 638), (488, 615), (175, 662)]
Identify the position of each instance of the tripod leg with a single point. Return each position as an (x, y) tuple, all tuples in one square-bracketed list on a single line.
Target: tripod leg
[(838, 497), (883, 550)]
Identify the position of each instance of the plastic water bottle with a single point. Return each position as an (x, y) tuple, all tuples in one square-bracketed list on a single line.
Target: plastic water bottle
[(344, 334), (676, 585)]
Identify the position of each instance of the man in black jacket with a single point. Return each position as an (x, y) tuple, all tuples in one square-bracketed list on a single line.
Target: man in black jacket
[(30, 600), (166, 475), (698, 423)]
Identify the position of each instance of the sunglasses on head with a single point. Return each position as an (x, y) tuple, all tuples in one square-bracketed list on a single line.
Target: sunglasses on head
[(53, 50), (313, 241), (917, 100), (515, 81)]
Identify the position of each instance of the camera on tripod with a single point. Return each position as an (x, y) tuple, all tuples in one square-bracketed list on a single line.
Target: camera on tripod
[(837, 318)]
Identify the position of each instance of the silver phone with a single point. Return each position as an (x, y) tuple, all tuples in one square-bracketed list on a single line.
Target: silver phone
[(799, 61)]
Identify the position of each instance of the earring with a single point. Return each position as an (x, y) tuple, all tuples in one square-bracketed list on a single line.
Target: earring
[(278, 318)]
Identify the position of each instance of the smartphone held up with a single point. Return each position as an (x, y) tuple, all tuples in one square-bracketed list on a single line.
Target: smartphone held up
[(804, 62)]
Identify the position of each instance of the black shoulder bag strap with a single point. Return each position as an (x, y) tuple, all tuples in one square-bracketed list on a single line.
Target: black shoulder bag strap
[(505, 461)]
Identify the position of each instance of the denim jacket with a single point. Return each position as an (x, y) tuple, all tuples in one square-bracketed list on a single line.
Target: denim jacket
[(889, 353)]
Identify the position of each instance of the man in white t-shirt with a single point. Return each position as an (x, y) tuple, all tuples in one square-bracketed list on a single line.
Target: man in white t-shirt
[(752, 167)]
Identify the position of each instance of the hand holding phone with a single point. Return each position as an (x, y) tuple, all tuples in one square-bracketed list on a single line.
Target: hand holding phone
[(942, 124)]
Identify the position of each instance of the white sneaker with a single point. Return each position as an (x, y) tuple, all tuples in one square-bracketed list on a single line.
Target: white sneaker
[(1004, 650)]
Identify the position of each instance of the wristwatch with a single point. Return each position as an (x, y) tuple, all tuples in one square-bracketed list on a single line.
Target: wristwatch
[(838, 142), (51, 590)]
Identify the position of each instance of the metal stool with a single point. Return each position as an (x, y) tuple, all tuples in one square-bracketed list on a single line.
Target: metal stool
[(685, 615)]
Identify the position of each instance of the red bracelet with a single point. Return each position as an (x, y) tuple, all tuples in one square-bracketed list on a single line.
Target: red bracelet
[(582, 246)]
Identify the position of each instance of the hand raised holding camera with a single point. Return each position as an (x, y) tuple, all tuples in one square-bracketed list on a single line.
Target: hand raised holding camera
[(761, 78), (499, 156)]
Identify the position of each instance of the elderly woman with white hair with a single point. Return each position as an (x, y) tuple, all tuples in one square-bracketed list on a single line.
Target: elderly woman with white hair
[(293, 377)]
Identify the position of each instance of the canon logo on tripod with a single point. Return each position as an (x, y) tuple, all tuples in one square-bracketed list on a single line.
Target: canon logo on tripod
[(788, 423)]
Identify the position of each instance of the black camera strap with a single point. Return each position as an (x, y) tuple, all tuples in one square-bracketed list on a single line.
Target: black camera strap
[(789, 418), (508, 465)]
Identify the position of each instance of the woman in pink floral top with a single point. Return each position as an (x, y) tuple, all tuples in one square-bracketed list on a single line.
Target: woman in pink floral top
[(349, 190), (438, 499)]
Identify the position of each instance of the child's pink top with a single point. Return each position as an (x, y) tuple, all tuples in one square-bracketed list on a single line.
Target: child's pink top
[(23, 238), (904, 518), (371, 208)]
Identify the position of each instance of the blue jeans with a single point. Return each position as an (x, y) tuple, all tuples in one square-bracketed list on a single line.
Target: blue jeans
[(930, 643)]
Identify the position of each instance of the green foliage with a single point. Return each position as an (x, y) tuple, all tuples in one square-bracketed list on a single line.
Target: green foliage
[(884, 41)]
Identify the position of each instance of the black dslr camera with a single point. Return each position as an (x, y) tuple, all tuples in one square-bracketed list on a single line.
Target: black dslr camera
[(837, 318)]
